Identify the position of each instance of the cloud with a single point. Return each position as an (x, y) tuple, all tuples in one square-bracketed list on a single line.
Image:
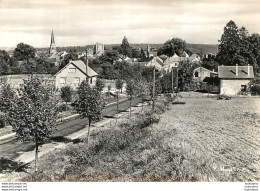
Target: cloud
[(87, 21)]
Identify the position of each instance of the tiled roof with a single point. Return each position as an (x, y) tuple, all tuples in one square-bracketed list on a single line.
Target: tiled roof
[(230, 72)]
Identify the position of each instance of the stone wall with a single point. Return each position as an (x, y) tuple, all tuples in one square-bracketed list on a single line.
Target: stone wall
[(232, 87)]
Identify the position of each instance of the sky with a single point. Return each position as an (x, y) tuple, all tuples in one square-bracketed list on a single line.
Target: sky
[(83, 22)]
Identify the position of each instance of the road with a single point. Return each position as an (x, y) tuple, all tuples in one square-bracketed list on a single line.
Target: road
[(10, 148)]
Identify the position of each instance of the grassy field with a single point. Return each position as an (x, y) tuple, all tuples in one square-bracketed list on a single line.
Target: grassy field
[(220, 134), (204, 140)]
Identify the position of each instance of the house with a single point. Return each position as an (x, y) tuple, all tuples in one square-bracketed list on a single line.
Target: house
[(156, 61), (73, 74), (234, 79), (172, 61), (200, 73)]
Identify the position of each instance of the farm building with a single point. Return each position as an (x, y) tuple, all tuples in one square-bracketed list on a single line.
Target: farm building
[(234, 80), (73, 74), (200, 73)]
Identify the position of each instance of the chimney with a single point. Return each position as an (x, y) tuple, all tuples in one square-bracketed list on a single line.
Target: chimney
[(248, 70), (236, 69)]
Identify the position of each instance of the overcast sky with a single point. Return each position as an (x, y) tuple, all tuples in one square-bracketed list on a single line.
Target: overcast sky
[(82, 22)]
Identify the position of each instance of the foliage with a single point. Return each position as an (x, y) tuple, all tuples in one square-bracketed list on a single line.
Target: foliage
[(173, 46), (99, 85), (90, 103), (24, 52), (66, 94), (237, 46), (125, 48), (212, 80), (119, 84), (72, 55), (33, 113), (255, 89)]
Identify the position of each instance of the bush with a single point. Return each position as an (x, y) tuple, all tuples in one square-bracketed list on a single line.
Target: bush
[(255, 89), (62, 107)]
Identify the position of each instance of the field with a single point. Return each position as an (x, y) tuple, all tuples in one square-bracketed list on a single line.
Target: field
[(203, 140), (225, 134)]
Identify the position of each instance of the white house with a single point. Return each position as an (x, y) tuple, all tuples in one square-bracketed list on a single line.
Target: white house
[(234, 79), (156, 61), (73, 74), (200, 73)]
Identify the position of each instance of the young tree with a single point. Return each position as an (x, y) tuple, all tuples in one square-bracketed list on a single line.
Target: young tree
[(99, 85), (33, 113), (130, 91), (89, 104), (6, 96), (142, 90), (119, 84), (66, 94)]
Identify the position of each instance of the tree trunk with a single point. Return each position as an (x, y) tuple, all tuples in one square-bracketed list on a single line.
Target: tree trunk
[(89, 123), (66, 106), (116, 105), (130, 107), (142, 102), (36, 156)]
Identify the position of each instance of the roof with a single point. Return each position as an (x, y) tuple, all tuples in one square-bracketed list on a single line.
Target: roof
[(202, 68), (81, 66), (230, 72)]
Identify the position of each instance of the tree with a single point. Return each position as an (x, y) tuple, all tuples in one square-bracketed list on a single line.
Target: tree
[(89, 104), (24, 52), (72, 55), (173, 46), (119, 84), (33, 113), (142, 90), (66, 94), (130, 91), (236, 46), (6, 97), (99, 85), (125, 48)]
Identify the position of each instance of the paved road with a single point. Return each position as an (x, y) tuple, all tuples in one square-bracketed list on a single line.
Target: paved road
[(10, 147)]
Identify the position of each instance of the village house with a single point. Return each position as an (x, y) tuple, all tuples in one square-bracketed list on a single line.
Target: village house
[(156, 61), (235, 80), (73, 74), (200, 73), (98, 49)]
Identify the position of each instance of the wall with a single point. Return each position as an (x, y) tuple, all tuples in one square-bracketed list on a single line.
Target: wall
[(16, 80), (202, 74), (231, 87)]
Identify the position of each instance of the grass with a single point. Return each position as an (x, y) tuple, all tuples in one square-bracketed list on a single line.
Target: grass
[(204, 140)]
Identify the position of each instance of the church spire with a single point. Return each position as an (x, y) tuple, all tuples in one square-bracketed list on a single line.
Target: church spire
[(52, 49), (52, 38)]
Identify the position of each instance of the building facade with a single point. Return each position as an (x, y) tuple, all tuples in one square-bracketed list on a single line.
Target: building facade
[(73, 74), (234, 80)]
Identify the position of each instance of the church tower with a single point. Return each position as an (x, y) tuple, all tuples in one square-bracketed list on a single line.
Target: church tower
[(52, 49)]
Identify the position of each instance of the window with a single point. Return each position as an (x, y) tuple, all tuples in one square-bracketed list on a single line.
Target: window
[(76, 82), (196, 74), (91, 81), (72, 70), (243, 88), (62, 81)]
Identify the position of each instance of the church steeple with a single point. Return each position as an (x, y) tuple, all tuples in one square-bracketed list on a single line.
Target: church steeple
[(52, 46)]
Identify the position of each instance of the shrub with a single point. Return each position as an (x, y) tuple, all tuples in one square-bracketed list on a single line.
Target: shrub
[(255, 89)]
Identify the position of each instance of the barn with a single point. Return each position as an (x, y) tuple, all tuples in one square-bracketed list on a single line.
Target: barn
[(234, 80)]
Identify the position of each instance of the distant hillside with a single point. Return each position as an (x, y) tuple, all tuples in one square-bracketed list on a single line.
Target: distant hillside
[(195, 48)]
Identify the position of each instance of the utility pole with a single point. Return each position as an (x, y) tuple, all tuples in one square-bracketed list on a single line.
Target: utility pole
[(177, 80), (153, 85), (172, 82)]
